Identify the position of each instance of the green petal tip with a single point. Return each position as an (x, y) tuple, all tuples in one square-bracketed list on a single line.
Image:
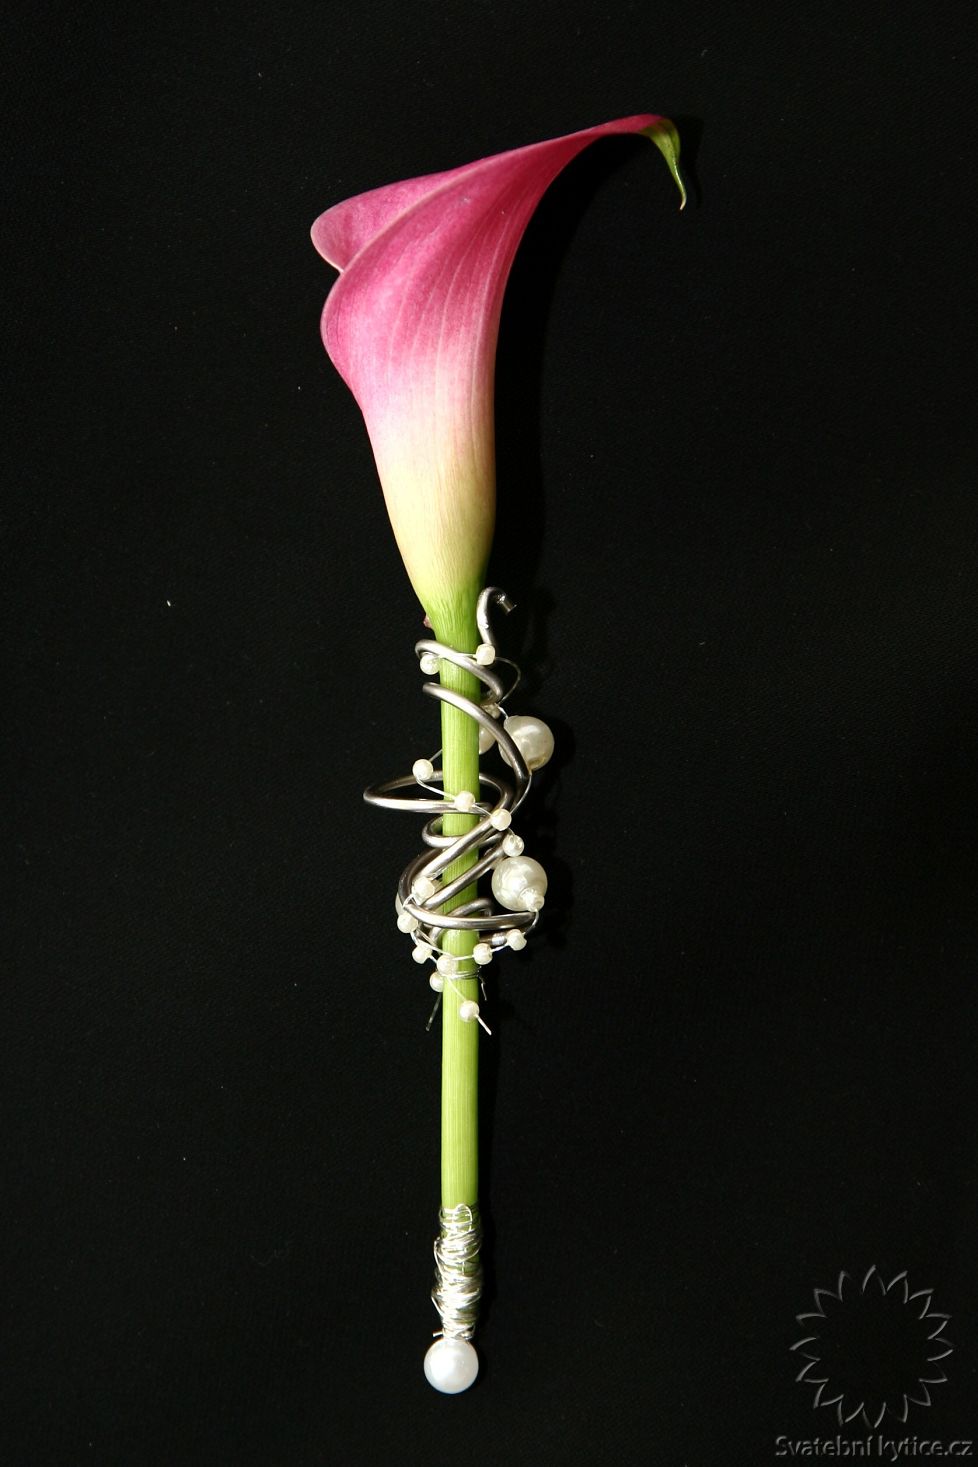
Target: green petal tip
[(665, 135)]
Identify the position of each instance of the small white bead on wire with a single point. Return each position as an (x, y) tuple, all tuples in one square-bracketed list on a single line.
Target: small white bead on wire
[(423, 889)]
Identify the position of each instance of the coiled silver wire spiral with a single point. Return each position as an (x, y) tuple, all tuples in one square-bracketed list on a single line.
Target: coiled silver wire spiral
[(458, 1267), (478, 915)]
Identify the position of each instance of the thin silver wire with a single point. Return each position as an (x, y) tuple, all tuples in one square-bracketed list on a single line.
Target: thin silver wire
[(458, 1270), (480, 916)]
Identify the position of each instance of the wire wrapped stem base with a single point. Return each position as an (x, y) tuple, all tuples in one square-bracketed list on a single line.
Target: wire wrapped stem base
[(458, 1270)]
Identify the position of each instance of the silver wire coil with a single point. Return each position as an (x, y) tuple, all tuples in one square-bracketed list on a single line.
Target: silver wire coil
[(478, 915), (458, 1270)]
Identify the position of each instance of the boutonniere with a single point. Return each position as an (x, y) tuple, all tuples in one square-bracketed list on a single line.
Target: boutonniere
[(411, 325)]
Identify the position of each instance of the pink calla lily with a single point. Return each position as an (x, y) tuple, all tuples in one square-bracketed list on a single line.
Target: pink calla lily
[(411, 325)]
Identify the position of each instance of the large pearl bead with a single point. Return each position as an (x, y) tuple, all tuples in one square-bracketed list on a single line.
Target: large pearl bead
[(519, 883), (532, 737), (451, 1365)]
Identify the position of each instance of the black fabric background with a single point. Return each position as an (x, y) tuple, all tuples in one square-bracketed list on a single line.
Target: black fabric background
[(738, 512)]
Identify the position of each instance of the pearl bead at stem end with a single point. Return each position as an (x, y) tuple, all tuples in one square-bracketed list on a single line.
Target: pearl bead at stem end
[(451, 1365)]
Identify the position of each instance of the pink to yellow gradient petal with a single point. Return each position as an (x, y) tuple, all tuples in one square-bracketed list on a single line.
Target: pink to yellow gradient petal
[(412, 324)]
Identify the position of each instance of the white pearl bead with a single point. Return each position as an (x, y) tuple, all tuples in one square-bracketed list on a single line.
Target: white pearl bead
[(500, 819), (514, 878), (428, 662), (422, 952), (482, 953), (513, 844), (485, 654), (532, 737), (464, 800), (422, 769), (447, 965), (423, 888), (468, 1010), (515, 939), (407, 923), (436, 981), (451, 1366)]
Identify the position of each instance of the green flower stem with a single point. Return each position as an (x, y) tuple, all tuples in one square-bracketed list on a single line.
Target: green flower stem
[(460, 1042)]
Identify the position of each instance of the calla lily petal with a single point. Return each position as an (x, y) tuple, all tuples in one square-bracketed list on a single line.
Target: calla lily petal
[(412, 325)]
